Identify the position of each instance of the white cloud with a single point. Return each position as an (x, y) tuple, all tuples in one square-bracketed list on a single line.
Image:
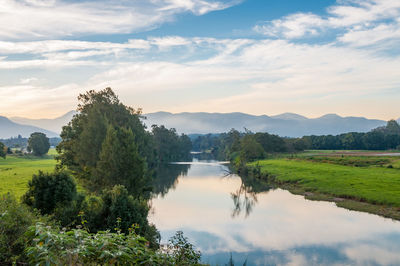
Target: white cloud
[(350, 74), (38, 19), (198, 7), (386, 35), (273, 75), (293, 26), (49, 46), (357, 17)]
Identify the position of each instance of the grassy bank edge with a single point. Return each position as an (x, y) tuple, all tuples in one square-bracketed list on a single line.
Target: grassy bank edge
[(391, 212)]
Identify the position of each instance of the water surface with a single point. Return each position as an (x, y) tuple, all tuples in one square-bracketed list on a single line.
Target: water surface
[(224, 215)]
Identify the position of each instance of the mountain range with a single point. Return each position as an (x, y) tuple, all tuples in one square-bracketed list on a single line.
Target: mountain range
[(9, 129), (286, 124), (54, 125)]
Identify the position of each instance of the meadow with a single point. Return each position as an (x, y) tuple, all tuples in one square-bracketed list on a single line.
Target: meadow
[(16, 171), (364, 183)]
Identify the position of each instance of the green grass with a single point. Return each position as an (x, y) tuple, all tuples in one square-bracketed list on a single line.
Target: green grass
[(15, 172), (358, 161), (375, 185)]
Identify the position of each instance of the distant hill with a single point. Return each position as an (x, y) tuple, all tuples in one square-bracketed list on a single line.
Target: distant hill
[(9, 129), (287, 124), (54, 125)]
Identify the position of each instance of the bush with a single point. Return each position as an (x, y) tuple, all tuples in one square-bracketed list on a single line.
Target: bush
[(118, 205), (50, 190), (78, 247), (15, 219), (182, 251)]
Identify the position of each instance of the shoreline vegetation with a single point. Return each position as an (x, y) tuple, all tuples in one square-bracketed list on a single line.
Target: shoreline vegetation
[(106, 150), (354, 170), (361, 183)]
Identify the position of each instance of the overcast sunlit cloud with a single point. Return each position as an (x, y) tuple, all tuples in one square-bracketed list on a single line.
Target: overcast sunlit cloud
[(334, 60)]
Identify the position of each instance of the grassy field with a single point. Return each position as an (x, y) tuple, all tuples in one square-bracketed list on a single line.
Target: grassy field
[(15, 172), (362, 183)]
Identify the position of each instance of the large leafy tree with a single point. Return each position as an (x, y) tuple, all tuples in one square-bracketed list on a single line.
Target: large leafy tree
[(101, 119), (120, 163), (38, 143)]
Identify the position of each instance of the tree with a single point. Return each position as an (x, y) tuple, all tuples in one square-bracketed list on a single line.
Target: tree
[(169, 146), (250, 149), (120, 162), (392, 128), (270, 143), (3, 150), (82, 139), (46, 191), (38, 143)]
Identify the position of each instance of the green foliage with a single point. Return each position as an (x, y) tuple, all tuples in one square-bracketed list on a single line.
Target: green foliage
[(119, 204), (120, 162), (381, 138), (250, 149), (50, 190), (271, 143), (79, 247), (169, 146), (38, 143), (242, 147), (83, 138), (15, 219), (3, 150), (182, 251)]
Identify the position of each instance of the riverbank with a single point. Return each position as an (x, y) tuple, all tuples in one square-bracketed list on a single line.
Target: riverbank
[(373, 187)]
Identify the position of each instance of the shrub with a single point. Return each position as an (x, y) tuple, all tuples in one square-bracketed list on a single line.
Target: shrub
[(182, 251), (15, 219), (50, 190), (78, 247), (119, 204)]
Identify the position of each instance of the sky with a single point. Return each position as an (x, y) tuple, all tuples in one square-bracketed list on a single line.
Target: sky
[(310, 57)]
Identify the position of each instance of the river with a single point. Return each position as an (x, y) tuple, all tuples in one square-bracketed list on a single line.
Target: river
[(226, 216)]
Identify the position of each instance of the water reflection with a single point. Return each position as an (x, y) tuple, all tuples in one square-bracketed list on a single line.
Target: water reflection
[(245, 197), (166, 177), (279, 228)]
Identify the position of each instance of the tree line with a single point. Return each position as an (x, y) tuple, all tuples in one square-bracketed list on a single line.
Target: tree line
[(381, 138), (248, 146)]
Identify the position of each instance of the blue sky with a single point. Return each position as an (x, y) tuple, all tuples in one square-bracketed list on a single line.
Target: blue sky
[(310, 57)]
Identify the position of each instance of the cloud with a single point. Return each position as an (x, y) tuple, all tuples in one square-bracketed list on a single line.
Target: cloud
[(273, 75), (257, 76), (198, 7), (356, 17), (43, 19), (293, 26), (49, 46)]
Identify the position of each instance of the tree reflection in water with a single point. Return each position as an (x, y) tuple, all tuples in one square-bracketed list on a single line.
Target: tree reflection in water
[(245, 197), (166, 177)]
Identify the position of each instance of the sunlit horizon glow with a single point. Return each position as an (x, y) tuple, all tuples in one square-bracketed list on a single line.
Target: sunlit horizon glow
[(256, 57)]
